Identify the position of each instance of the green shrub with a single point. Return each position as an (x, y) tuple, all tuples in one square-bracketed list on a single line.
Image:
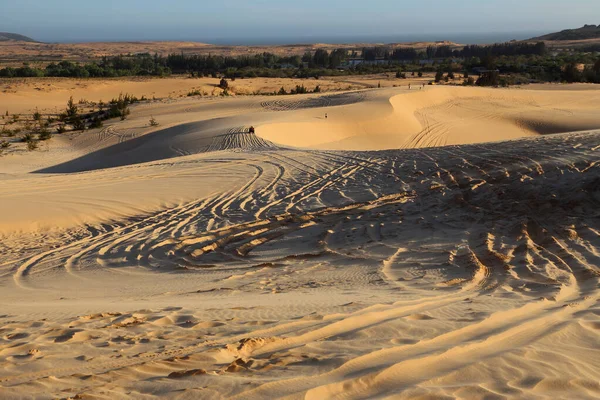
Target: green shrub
[(44, 135), (32, 145), (78, 123), (96, 123)]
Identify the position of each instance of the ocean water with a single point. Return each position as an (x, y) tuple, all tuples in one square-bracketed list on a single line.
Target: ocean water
[(463, 38)]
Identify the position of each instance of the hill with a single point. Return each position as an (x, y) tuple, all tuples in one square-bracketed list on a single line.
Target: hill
[(5, 36), (585, 32)]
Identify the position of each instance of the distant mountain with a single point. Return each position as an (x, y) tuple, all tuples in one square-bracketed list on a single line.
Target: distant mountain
[(585, 32), (5, 36)]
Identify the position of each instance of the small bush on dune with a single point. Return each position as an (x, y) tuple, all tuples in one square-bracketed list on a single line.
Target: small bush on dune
[(44, 135), (96, 123), (124, 114), (32, 145), (5, 145), (78, 123), (153, 122), (71, 109), (300, 89)]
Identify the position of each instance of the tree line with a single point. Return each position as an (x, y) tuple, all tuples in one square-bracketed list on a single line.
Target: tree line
[(445, 51), (531, 60), (252, 65)]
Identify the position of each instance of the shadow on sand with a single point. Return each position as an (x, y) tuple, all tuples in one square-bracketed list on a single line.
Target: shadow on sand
[(181, 140)]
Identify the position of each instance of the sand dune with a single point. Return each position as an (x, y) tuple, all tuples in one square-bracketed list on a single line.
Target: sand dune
[(443, 116), (196, 260)]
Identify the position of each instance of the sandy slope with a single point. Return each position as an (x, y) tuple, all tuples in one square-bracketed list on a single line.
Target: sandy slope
[(50, 95), (198, 261)]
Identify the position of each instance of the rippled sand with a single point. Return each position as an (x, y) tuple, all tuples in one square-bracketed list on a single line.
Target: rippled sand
[(196, 260)]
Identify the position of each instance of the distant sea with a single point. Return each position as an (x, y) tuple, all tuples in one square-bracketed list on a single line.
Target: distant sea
[(463, 38)]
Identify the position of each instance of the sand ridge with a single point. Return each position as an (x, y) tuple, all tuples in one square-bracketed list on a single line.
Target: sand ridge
[(196, 260)]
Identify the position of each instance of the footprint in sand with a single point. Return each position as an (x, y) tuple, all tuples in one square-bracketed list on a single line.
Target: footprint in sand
[(16, 336), (419, 317), (66, 336), (403, 341)]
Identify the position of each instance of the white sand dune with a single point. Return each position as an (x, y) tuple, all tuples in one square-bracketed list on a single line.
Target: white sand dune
[(198, 261)]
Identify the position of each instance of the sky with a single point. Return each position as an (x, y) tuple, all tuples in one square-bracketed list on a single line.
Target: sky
[(278, 20)]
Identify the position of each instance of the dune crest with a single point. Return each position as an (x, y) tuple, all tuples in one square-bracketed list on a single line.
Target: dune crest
[(199, 260), (437, 117)]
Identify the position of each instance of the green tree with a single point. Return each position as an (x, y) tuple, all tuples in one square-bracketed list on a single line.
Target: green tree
[(71, 109), (431, 50), (336, 58), (321, 58), (571, 73)]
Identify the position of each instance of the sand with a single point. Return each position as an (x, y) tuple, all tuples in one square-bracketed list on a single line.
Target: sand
[(433, 243), (50, 95)]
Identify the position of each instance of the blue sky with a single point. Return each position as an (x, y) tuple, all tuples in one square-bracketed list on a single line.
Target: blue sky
[(87, 20)]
